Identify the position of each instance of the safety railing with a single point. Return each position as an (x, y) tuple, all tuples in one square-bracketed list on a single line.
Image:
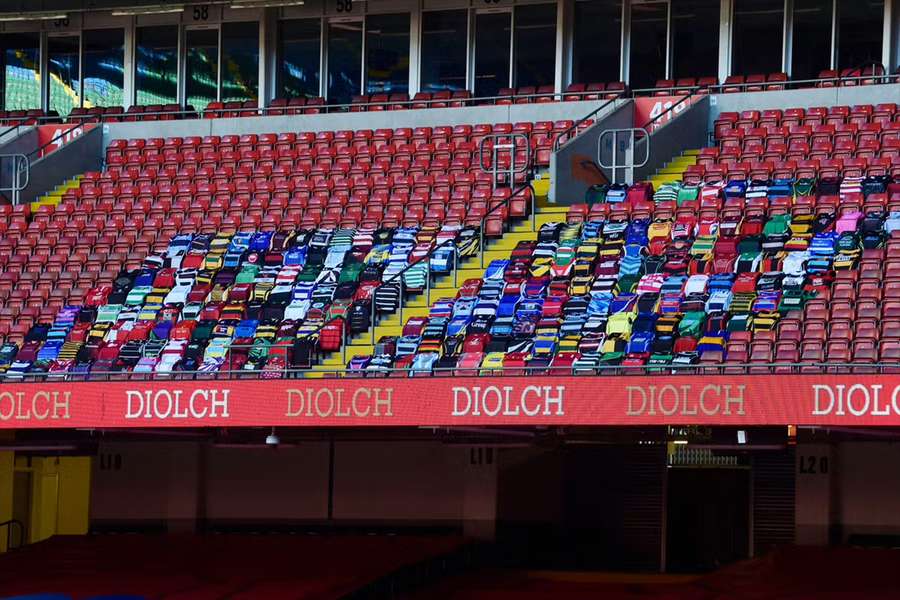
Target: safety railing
[(564, 136), (881, 77), (548, 370), (877, 76), (506, 145), (54, 141), (189, 113), (10, 525), (632, 137), (19, 173)]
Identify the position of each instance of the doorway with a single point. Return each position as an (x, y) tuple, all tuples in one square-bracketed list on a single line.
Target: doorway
[(707, 518)]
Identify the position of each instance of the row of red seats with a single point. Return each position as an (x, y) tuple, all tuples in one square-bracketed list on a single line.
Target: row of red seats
[(735, 209), (851, 76), (15, 118), (594, 91), (401, 101), (860, 115), (873, 151), (329, 148), (725, 169), (808, 134), (338, 139)]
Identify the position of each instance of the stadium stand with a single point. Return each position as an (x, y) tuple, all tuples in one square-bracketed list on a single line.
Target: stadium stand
[(753, 259), (269, 238)]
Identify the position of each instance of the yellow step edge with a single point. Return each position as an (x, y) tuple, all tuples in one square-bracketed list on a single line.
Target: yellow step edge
[(392, 325)]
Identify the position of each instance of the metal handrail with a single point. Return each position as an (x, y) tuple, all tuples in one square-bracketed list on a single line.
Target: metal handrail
[(40, 149), (794, 84), (674, 106), (9, 527), (21, 164), (614, 167), (562, 138), (549, 370)]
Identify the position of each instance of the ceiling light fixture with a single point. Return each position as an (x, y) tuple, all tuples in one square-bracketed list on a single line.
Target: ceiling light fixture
[(267, 3), (148, 10), (32, 16)]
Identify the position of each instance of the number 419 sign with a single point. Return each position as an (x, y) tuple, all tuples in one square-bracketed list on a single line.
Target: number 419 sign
[(647, 109)]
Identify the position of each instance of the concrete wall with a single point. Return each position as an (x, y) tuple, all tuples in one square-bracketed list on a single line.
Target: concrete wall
[(259, 483), (847, 489), (80, 155), (16, 141), (815, 494), (430, 117), (571, 167), (868, 477), (174, 485), (869, 94)]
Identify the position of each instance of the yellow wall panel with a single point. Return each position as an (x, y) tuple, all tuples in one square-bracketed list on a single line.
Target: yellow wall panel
[(7, 460), (74, 495)]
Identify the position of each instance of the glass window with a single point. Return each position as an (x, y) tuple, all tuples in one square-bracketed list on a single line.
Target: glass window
[(21, 71), (156, 70), (240, 61), (695, 38), (860, 32), (444, 41), (758, 33), (597, 45), (104, 75), (387, 54), (649, 34), (811, 41), (202, 67), (535, 44), (62, 64), (344, 61), (491, 53), (298, 58)]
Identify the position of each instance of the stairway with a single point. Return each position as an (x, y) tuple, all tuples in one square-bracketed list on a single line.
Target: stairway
[(54, 197), (675, 168), (442, 287)]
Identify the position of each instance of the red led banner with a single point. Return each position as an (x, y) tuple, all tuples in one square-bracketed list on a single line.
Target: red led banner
[(436, 401)]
